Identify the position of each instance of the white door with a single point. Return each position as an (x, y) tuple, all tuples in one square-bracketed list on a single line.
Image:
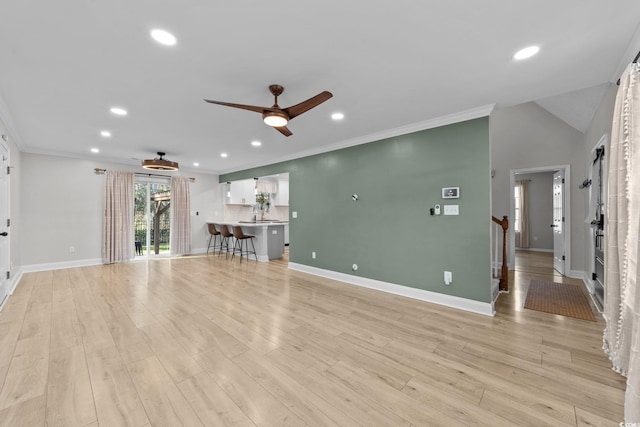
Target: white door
[(558, 221), (4, 224)]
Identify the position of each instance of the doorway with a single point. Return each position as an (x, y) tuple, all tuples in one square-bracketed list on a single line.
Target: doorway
[(560, 214), (597, 187), (558, 222), (152, 221)]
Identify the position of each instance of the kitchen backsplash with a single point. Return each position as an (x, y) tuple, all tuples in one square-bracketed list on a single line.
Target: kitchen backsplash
[(246, 213)]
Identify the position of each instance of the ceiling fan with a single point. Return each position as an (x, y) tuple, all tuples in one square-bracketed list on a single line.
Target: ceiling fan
[(279, 117)]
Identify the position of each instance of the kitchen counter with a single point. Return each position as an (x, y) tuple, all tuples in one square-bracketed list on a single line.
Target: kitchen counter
[(263, 221), (269, 236)]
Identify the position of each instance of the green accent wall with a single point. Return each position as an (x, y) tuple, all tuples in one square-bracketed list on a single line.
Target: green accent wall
[(389, 232)]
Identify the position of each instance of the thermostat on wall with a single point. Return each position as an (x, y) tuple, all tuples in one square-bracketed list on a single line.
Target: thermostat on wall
[(450, 192)]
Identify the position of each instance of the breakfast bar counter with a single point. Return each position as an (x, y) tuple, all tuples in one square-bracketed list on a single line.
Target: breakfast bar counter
[(269, 236)]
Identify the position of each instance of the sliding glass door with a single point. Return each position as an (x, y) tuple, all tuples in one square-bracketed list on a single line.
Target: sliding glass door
[(151, 217)]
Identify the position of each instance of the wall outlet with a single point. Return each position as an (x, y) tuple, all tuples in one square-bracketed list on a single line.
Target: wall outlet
[(72, 249), (313, 255), (448, 277)]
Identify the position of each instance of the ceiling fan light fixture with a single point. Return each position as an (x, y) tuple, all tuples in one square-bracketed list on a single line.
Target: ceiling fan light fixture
[(160, 164), (275, 119)]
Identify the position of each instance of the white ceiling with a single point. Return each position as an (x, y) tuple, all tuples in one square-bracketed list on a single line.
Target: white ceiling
[(63, 64), (576, 108)]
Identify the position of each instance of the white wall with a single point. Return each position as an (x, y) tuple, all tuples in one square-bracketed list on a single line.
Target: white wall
[(206, 201), (527, 136), (540, 209), (62, 205)]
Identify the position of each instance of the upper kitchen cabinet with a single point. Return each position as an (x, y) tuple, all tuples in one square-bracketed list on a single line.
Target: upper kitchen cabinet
[(282, 198), (267, 185), (242, 192)]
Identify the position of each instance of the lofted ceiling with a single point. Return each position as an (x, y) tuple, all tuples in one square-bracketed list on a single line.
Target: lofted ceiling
[(576, 108), (388, 64)]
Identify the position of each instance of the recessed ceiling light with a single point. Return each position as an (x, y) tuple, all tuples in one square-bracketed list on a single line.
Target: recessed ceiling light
[(105, 133), (95, 150), (256, 143), (337, 116), (163, 37), (196, 164), (118, 111), (223, 154), (525, 53)]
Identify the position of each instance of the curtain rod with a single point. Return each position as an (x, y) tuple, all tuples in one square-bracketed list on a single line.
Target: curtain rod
[(635, 61), (99, 171)]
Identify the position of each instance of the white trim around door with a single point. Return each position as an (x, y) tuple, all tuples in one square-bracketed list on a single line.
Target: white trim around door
[(567, 210)]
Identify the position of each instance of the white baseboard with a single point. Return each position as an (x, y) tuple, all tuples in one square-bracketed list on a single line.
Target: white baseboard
[(13, 284), (15, 280), (534, 250), (582, 275), (575, 274), (59, 265), (495, 290), (465, 304), (586, 278)]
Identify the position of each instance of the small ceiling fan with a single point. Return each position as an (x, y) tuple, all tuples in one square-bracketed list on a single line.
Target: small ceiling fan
[(279, 117)]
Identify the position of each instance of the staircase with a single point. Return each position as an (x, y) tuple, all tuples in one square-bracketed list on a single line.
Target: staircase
[(499, 270)]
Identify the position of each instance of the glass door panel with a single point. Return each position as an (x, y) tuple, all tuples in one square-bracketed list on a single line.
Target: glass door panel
[(152, 218)]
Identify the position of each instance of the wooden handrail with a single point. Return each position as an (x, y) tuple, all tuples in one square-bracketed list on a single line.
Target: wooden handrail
[(504, 271)]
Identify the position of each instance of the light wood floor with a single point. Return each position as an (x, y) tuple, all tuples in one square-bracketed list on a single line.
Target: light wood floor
[(204, 341)]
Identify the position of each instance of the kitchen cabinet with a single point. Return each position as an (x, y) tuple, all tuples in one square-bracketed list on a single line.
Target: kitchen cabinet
[(282, 198), (268, 237), (243, 192), (286, 234), (267, 186)]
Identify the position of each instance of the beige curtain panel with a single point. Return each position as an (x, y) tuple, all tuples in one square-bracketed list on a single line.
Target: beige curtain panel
[(622, 236), (180, 240), (522, 236), (118, 225)]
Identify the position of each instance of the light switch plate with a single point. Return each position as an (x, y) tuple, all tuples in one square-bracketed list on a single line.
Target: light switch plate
[(294, 214), (451, 210)]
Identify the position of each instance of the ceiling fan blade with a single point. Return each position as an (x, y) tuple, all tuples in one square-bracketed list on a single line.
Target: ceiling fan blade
[(255, 108), (283, 130), (300, 108)]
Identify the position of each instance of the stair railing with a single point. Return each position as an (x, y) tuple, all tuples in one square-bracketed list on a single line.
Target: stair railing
[(504, 271)]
